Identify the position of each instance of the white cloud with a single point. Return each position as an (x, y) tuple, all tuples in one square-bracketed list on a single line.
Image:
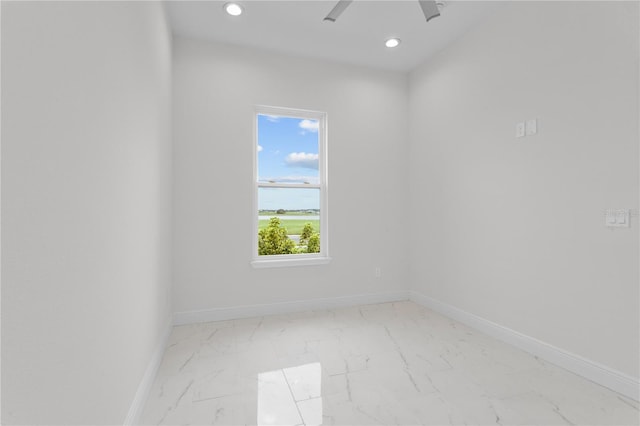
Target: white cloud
[(302, 159), (272, 118), (309, 125), (259, 148)]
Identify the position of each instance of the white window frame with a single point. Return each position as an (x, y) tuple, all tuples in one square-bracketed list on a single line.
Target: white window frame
[(280, 260)]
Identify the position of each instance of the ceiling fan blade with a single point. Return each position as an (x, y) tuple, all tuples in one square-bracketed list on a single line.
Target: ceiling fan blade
[(429, 8), (337, 10)]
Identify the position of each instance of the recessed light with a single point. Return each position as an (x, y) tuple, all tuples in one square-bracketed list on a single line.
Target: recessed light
[(233, 9), (392, 42)]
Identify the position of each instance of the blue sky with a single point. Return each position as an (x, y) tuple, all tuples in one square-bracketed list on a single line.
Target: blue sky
[(287, 153)]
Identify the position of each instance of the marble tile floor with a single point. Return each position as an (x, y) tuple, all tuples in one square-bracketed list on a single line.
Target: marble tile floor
[(386, 364)]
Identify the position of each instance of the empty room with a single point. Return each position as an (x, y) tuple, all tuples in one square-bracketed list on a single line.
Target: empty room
[(332, 212)]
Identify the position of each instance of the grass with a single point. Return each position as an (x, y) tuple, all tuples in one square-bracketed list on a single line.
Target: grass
[(293, 226)]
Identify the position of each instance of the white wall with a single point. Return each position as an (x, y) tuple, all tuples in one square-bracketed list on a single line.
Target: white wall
[(215, 89), (512, 230), (85, 206)]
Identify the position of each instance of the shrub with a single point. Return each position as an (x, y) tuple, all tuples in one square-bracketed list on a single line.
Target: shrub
[(307, 232), (313, 245), (274, 239)]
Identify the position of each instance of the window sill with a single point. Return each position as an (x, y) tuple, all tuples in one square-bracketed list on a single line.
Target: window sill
[(289, 262)]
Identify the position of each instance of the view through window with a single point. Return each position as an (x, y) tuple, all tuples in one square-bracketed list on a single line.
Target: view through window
[(290, 184)]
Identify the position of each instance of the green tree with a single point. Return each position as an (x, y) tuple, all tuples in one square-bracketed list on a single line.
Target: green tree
[(280, 211), (274, 239), (307, 232), (313, 245)]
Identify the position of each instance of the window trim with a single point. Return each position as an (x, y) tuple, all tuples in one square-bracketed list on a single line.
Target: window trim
[(287, 260)]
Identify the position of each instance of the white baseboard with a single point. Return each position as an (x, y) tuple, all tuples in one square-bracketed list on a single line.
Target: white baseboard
[(140, 398), (598, 373), (248, 311)]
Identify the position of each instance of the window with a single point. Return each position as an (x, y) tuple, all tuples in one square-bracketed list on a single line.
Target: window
[(290, 195)]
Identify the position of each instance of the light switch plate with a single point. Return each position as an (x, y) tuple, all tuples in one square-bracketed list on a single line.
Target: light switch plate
[(617, 218), (532, 127)]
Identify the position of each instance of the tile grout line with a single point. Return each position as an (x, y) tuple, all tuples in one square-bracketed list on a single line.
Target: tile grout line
[(293, 398)]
